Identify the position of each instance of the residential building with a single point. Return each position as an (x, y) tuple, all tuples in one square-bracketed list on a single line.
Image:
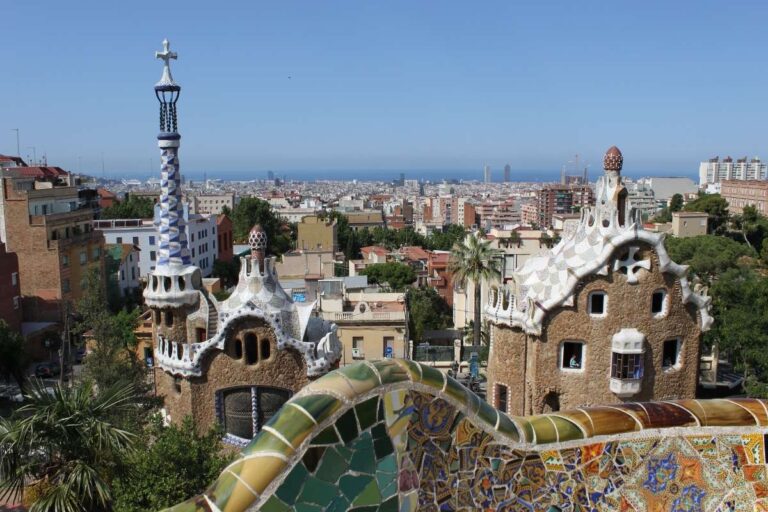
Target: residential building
[(365, 219), (371, 326), (213, 204), (438, 276), (126, 260), (507, 173), (741, 193), (312, 265), (555, 198), (317, 234), (232, 363), (664, 187), (106, 198), (686, 224), (643, 198), (487, 174), (47, 222), (714, 170), (605, 317), (10, 290), (224, 237), (200, 231)]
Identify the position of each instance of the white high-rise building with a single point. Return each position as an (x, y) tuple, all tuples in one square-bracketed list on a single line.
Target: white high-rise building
[(715, 170), (487, 174)]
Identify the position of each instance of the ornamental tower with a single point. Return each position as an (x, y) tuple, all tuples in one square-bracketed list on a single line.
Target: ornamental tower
[(172, 289)]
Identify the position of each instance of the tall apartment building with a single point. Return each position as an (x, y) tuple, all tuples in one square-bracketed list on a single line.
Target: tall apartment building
[(208, 204), (447, 210), (745, 193), (47, 222), (201, 233), (714, 170), (487, 174), (316, 234), (559, 199), (507, 173)]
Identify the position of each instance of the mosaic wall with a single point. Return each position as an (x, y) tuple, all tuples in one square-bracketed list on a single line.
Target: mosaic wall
[(400, 436)]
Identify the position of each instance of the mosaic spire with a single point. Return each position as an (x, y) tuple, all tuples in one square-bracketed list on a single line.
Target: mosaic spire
[(173, 248)]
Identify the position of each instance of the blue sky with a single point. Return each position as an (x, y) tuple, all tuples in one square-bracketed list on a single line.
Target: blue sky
[(401, 84)]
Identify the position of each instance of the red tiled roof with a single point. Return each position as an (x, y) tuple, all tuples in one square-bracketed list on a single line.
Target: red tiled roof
[(39, 172), (106, 194), (414, 252), (376, 249)]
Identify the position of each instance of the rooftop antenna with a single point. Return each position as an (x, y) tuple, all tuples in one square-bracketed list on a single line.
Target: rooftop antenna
[(34, 153)]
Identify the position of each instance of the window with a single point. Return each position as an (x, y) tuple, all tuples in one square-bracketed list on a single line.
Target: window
[(193, 252), (572, 355), (598, 303), (96, 253), (251, 355), (357, 347), (14, 279), (627, 366), (151, 240), (152, 255), (119, 240), (389, 346), (658, 303), (122, 275), (671, 354), (193, 237), (168, 318), (501, 397), (135, 240), (200, 334), (264, 349), (244, 411), (83, 257), (64, 260), (133, 273), (16, 302), (65, 285)]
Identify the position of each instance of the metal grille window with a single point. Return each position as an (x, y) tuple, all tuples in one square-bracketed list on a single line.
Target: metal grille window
[(627, 366), (244, 411)]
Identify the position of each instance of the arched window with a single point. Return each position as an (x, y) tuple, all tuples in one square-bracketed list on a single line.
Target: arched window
[(244, 411), (169, 318), (251, 348), (264, 349)]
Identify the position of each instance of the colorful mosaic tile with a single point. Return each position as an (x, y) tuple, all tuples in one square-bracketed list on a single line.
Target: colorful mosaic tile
[(397, 436)]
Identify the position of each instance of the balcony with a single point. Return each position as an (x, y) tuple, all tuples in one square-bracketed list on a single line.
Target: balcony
[(368, 316), (78, 239), (62, 217), (625, 387)]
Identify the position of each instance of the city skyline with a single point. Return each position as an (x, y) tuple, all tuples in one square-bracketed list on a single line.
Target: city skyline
[(328, 87)]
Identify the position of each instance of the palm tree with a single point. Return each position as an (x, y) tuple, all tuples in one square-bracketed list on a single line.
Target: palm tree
[(62, 447), (474, 260)]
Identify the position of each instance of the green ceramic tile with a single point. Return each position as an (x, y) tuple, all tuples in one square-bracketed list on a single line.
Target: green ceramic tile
[(455, 390), (352, 485), (332, 466), (370, 508), (321, 407), (363, 460), (488, 414), (327, 436), (366, 412), (370, 495), (383, 447), (308, 507), (291, 486), (527, 429), (411, 368), (267, 442), (507, 427), (224, 486), (567, 430), (274, 504), (312, 457), (385, 479), (347, 426), (339, 504), (388, 464), (379, 431), (292, 424), (317, 491), (390, 489), (432, 377), (545, 430), (380, 414), (389, 506), (391, 372)]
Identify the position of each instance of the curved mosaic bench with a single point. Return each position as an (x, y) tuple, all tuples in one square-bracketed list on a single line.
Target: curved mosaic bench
[(399, 436)]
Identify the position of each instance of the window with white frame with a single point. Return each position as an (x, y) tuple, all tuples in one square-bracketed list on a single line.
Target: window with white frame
[(659, 303), (572, 355), (597, 303)]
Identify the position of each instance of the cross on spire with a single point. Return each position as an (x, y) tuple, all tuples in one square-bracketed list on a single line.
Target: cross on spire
[(166, 55)]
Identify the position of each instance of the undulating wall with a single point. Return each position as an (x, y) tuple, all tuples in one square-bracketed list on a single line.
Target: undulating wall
[(399, 436)]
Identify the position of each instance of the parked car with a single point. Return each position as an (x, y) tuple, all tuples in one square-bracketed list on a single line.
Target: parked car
[(49, 369)]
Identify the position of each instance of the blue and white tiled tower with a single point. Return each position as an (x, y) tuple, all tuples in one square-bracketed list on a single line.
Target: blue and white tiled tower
[(175, 281)]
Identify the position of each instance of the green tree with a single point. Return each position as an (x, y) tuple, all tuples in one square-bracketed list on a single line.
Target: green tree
[(427, 310), (396, 275), (740, 306), (131, 208), (473, 260), (62, 447), (227, 271), (251, 211), (14, 359), (176, 464), (676, 203), (445, 241), (716, 207), (707, 255)]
